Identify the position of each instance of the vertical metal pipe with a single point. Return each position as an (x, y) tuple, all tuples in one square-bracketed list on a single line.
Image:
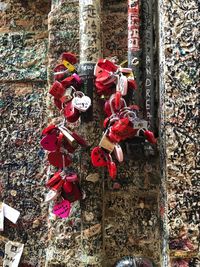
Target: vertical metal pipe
[(90, 46), (147, 59), (134, 44)]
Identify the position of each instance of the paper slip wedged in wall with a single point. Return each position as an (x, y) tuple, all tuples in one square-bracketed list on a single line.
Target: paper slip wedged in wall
[(10, 213), (1, 216), (13, 253)]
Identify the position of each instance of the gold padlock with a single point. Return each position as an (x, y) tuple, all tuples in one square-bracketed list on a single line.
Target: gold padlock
[(68, 135), (106, 143)]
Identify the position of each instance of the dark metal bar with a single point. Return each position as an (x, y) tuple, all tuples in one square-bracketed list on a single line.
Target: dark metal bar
[(147, 60)]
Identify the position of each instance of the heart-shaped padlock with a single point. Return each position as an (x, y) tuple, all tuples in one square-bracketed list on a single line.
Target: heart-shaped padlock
[(98, 157), (97, 69), (103, 77), (49, 129), (71, 113), (49, 142), (81, 101), (59, 160), (107, 65), (62, 209)]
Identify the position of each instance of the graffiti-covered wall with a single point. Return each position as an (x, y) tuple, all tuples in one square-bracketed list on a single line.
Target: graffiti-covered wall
[(151, 209), (179, 87)]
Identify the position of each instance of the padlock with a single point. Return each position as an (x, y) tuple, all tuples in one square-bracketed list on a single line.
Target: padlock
[(59, 159), (60, 72), (139, 124), (58, 186), (68, 146), (75, 193), (104, 89), (106, 143), (57, 177), (67, 96), (68, 135), (58, 103), (150, 137), (132, 84), (57, 90), (118, 153), (112, 168), (67, 81), (123, 85), (50, 141), (79, 139), (99, 157), (106, 64), (67, 187), (118, 96), (77, 82), (70, 57), (71, 177), (71, 113), (68, 65), (97, 69), (49, 129), (115, 138), (51, 195), (103, 76), (81, 101)]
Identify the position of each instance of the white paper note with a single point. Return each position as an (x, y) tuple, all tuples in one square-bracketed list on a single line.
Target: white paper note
[(13, 253), (1, 216), (10, 213)]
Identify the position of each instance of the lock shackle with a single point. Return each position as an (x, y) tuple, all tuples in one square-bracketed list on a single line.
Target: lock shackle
[(124, 111), (111, 102), (78, 94), (113, 118), (139, 131)]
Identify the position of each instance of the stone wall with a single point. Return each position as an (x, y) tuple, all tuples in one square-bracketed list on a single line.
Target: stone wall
[(179, 87), (23, 89)]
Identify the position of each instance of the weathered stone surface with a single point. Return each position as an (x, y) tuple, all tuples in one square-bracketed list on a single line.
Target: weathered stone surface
[(23, 56), (22, 178), (180, 76)]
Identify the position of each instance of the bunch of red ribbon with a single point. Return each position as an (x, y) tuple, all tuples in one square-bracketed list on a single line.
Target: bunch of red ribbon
[(61, 140), (122, 122)]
